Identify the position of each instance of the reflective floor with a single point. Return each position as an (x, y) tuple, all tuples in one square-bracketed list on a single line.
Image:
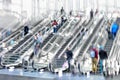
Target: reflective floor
[(44, 76), (77, 77), (19, 74), (113, 78)]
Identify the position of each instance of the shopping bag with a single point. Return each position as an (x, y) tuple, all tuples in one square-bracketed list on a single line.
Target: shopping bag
[(65, 65), (72, 62)]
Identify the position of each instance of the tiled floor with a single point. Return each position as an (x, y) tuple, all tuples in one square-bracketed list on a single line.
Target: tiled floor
[(114, 78), (48, 76)]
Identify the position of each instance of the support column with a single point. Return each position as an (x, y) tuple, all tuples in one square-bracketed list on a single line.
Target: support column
[(38, 7), (106, 3), (78, 5)]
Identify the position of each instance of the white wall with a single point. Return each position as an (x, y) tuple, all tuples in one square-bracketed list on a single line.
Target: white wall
[(35, 8)]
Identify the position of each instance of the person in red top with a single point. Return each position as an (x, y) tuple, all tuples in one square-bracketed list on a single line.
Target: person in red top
[(54, 24), (96, 52), (95, 60)]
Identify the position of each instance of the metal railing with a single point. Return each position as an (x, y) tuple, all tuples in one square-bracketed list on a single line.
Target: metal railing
[(74, 36), (24, 44), (84, 41), (115, 43), (54, 43)]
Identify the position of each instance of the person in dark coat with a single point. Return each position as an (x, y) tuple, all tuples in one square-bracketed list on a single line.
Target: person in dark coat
[(70, 13), (26, 30), (62, 20), (103, 55), (69, 55), (91, 14), (62, 11)]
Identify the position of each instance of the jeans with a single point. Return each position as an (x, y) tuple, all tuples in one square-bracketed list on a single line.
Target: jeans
[(101, 65), (69, 65), (36, 50), (55, 29)]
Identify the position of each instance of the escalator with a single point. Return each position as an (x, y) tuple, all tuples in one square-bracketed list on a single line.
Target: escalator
[(16, 52), (108, 45), (21, 42), (90, 38), (18, 30), (84, 47), (51, 35), (66, 43), (13, 58), (17, 36), (58, 62), (50, 48), (54, 41), (12, 55), (19, 50), (50, 38)]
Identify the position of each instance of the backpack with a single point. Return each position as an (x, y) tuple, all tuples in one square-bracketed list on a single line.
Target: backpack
[(92, 54)]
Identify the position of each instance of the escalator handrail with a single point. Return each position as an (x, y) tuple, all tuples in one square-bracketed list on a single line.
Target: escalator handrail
[(77, 26), (15, 32), (53, 42), (58, 18), (25, 35), (87, 27), (115, 42), (103, 30), (54, 36), (30, 38), (90, 43), (83, 42), (17, 61)]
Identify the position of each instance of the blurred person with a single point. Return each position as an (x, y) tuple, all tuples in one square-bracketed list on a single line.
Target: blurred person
[(96, 11), (69, 56), (94, 59), (62, 11), (26, 30), (103, 55), (114, 29), (54, 24), (36, 48), (91, 14), (40, 39)]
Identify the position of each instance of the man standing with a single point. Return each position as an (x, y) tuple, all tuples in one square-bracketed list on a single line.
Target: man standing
[(69, 55), (40, 39), (62, 11), (54, 24), (26, 30), (103, 55), (91, 14)]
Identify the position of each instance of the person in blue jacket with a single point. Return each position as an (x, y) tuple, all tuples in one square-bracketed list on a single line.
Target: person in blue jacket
[(114, 29)]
